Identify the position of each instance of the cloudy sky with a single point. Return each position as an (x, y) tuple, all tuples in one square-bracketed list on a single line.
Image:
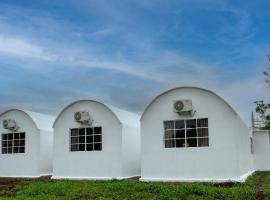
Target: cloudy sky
[(126, 52)]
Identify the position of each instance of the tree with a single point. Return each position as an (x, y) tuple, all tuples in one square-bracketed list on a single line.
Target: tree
[(262, 108)]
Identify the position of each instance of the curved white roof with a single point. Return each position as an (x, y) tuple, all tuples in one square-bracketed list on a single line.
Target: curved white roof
[(191, 87), (124, 117), (42, 121)]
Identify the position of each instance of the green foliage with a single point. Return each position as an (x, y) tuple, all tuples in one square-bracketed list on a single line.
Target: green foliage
[(263, 109)]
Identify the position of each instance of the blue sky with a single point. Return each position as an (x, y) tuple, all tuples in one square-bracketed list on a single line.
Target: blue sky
[(126, 52)]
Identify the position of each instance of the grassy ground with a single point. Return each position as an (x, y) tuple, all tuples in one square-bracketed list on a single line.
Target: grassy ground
[(258, 183)]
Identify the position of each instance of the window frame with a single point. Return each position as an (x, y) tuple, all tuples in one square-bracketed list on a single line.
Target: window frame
[(85, 140), (175, 139), (12, 146)]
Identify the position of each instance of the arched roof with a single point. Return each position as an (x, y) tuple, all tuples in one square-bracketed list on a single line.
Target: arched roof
[(42, 121), (123, 116), (188, 87)]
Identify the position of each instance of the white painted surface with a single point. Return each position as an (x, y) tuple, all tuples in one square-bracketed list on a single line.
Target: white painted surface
[(261, 150), (131, 163), (106, 164), (124, 117), (35, 161), (46, 152), (228, 156)]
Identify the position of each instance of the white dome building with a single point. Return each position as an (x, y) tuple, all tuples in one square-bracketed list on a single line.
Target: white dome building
[(96, 141), (192, 134), (26, 144)]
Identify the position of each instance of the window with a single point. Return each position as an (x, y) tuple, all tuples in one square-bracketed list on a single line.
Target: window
[(186, 133), (13, 143), (86, 139)]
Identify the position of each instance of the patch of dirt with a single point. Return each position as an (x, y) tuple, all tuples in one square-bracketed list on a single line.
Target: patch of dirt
[(10, 186), (259, 187), (133, 179)]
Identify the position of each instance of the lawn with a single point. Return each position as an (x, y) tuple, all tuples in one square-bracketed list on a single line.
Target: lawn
[(256, 186)]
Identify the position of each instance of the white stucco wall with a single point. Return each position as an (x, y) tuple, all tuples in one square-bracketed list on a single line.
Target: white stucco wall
[(21, 164), (218, 162), (46, 153), (245, 156), (105, 164), (131, 164), (261, 145)]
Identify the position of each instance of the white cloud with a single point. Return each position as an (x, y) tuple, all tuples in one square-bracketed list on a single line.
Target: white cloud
[(20, 47), (152, 69)]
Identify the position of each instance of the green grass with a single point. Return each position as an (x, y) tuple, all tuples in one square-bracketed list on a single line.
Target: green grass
[(252, 180), (266, 188), (101, 190)]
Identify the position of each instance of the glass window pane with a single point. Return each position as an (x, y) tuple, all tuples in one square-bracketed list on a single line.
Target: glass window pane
[(74, 147), (4, 136), (16, 150), (191, 133), (169, 143), (202, 132), (9, 143), (180, 143), (169, 134), (81, 147), (21, 150), (82, 139), (97, 130), (191, 123), (203, 142), (16, 143), (89, 147), (81, 131), (22, 135), (10, 136), (97, 138), (90, 139), (203, 122), (192, 142), (89, 131), (97, 146), (180, 133), (4, 150), (22, 142), (9, 149), (168, 125), (4, 143), (16, 136), (179, 124), (74, 132), (74, 140)]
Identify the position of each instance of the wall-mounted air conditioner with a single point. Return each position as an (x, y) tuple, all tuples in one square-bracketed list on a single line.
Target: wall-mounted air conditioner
[(9, 124), (184, 107), (82, 117)]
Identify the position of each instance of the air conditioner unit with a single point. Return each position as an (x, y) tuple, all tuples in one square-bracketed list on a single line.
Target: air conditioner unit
[(9, 124), (183, 107), (82, 117)]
